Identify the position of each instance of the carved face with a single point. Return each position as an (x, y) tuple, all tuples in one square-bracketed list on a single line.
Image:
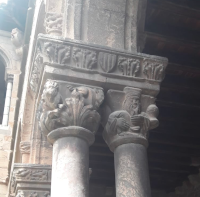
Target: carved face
[(132, 105)]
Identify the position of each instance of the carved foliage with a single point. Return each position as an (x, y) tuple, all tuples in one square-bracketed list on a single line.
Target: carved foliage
[(35, 75), (78, 109), (53, 23), (84, 58), (129, 66), (20, 193), (25, 147), (56, 53), (154, 71), (27, 174)]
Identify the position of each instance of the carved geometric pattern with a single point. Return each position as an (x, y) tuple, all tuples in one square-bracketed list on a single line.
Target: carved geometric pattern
[(107, 61)]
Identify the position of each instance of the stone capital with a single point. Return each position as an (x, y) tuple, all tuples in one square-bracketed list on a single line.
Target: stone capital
[(69, 109), (130, 115)]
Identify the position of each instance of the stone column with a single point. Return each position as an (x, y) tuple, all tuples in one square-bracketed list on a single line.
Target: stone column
[(126, 134), (7, 100), (70, 120)]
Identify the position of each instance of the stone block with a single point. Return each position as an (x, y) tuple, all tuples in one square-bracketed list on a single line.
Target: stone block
[(106, 18)]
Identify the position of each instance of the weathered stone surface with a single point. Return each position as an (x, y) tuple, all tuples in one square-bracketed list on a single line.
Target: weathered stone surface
[(70, 175), (68, 104), (131, 171), (128, 122), (26, 176), (108, 66)]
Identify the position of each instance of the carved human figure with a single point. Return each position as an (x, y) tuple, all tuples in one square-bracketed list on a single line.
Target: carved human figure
[(130, 121)]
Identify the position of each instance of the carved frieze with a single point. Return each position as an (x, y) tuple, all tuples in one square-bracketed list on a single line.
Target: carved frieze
[(56, 53), (25, 147), (153, 71), (53, 23), (24, 175), (107, 61), (127, 122), (84, 58), (32, 193), (91, 59), (70, 105), (129, 66)]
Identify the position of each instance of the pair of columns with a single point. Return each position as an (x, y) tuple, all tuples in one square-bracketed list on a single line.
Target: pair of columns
[(70, 119)]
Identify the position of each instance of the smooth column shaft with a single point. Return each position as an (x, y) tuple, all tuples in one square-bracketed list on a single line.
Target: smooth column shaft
[(131, 171), (70, 168), (7, 104)]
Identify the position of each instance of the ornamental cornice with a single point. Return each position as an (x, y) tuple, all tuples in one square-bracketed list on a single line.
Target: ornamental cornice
[(93, 59)]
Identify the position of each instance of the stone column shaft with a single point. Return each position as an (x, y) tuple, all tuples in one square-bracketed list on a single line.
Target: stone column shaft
[(70, 175), (131, 171), (7, 103), (70, 120), (126, 134)]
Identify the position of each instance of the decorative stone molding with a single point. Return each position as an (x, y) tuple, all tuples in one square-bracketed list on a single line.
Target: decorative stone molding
[(68, 104), (25, 147), (17, 40), (91, 59), (30, 180), (128, 122), (53, 23)]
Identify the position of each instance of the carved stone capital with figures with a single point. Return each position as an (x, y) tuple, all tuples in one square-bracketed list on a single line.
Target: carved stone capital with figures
[(130, 118)]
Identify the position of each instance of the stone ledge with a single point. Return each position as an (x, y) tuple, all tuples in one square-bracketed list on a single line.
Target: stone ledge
[(95, 63)]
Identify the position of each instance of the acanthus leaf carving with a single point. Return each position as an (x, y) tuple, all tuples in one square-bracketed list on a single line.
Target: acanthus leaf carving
[(153, 71), (79, 108), (53, 23), (129, 66), (84, 58)]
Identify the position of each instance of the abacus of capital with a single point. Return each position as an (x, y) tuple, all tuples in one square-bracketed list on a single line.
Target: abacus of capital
[(69, 79)]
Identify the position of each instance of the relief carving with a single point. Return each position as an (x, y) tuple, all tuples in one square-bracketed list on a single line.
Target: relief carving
[(20, 194), (107, 61), (34, 194), (17, 40), (129, 122), (35, 75), (153, 71), (84, 58), (53, 23), (25, 147), (129, 66), (79, 108), (56, 53)]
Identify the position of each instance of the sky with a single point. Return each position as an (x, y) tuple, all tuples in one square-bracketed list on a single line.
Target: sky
[(3, 1)]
